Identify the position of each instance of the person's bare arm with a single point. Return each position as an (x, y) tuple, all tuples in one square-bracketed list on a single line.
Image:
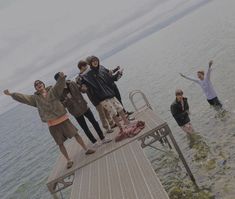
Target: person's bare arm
[(208, 74), (188, 78)]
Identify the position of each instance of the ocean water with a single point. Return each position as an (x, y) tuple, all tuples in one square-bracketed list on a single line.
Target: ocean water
[(153, 43)]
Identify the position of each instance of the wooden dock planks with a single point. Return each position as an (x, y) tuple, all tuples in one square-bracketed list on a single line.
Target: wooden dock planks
[(123, 174), (60, 172)]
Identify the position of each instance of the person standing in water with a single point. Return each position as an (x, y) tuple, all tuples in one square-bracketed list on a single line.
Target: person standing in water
[(52, 111), (206, 86), (180, 111)]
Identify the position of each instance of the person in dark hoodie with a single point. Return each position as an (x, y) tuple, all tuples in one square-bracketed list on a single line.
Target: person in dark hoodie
[(77, 106), (180, 111), (115, 75), (52, 111), (98, 82), (105, 118)]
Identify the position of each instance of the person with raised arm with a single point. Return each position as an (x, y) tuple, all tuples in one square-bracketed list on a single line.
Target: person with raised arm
[(76, 105), (205, 83), (98, 81), (52, 111)]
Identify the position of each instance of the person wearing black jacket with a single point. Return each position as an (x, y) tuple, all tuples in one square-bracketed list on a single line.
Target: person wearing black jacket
[(105, 118), (98, 81), (180, 111)]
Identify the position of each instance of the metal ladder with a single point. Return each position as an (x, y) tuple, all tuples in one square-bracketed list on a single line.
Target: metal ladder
[(139, 92)]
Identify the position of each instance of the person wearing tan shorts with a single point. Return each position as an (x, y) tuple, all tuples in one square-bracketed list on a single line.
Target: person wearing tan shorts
[(62, 131), (52, 111), (97, 82), (112, 106)]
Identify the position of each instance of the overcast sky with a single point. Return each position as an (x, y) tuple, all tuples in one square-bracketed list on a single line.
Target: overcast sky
[(41, 37)]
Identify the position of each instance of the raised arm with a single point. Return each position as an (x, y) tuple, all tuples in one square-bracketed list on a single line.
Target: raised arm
[(208, 74), (116, 69), (59, 86), (189, 78), (22, 98)]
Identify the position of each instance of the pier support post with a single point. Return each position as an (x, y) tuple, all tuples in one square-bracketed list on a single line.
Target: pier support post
[(181, 156)]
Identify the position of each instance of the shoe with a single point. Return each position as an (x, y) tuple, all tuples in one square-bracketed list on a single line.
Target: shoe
[(129, 113), (95, 145), (106, 140), (113, 126), (89, 151), (131, 118), (69, 164), (109, 131)]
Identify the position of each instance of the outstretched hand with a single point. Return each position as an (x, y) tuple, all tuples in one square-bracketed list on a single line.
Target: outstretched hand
[(121, 71), (7, 92), (61, 74), (210, 63)]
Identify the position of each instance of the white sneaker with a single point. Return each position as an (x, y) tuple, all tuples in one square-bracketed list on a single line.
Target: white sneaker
[(95, 145), (106, 140)]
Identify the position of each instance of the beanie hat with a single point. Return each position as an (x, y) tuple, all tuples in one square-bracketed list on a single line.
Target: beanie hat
[(56, 76)]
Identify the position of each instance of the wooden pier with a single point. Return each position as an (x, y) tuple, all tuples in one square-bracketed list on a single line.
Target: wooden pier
[(117, 170)]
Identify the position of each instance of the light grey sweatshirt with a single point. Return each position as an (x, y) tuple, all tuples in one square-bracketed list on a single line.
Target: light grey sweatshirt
[(206, 85)]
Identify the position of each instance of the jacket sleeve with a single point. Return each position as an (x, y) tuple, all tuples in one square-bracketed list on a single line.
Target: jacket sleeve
[(57, 90), (115, 77), (186, 105), (76, 86), (173, 111), (25, 99)]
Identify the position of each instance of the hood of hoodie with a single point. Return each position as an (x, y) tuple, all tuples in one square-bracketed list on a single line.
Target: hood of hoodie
[(92, 58), (85, 71)]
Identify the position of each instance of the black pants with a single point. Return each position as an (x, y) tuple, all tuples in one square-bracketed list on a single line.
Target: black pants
[(215, 103), (82, 122)]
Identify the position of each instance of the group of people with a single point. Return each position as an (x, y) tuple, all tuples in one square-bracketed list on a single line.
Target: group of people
[(99, 84), (51, 102), (180, 107)]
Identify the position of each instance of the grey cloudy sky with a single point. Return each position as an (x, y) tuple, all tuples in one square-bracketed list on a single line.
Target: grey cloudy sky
[(41, 37)]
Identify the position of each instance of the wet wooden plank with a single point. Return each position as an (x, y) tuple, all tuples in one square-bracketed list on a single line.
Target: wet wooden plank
[(124, 173)]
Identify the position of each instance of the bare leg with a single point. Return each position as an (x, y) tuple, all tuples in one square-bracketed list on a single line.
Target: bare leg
[(188, 128), (109, 118), (64, 152), (80, 141), (116, 120), (123, 116)]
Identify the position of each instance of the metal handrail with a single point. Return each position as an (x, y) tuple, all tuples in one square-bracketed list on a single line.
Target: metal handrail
[(131, 97)]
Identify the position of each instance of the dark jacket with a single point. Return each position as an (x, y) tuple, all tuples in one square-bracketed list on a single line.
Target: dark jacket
[(180, 114), (98, 81), (73, 100)]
